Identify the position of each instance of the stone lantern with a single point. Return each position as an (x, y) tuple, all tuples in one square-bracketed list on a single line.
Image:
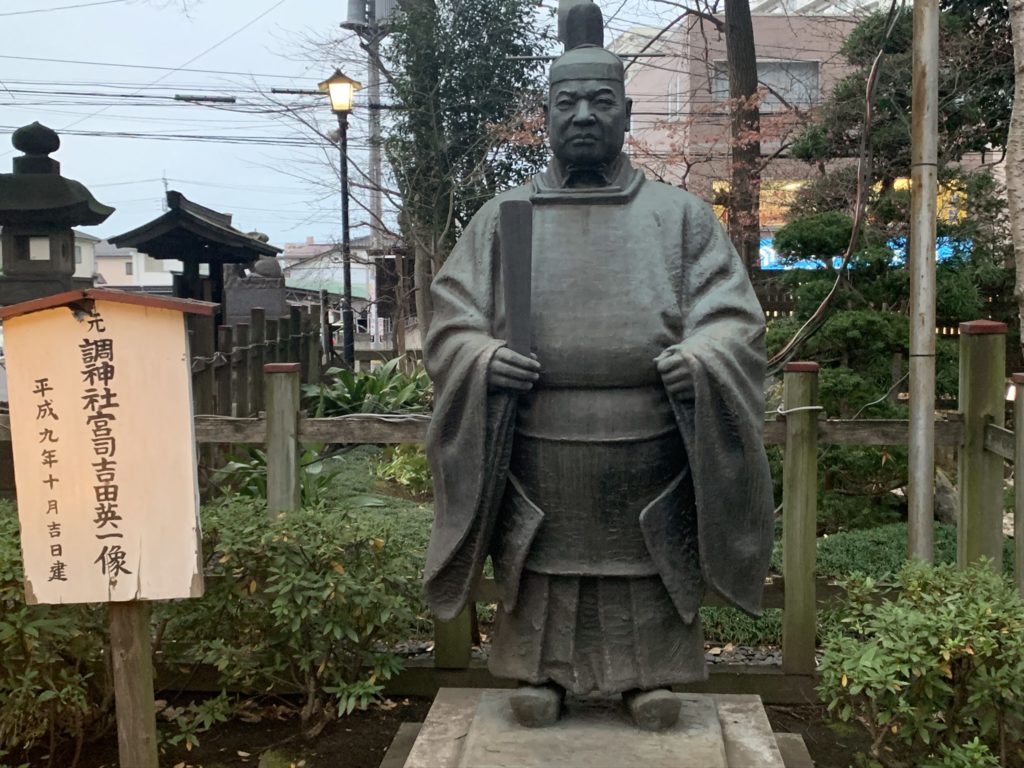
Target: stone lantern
[(38, 208)]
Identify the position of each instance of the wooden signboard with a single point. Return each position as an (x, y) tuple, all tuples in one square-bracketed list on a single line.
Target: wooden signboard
[(104, 453), (99, 384)]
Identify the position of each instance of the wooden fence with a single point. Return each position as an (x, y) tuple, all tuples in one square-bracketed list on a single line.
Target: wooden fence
[(228, 360), (977, 432)]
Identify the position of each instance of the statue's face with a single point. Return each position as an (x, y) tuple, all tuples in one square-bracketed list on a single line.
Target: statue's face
[(587, 121)]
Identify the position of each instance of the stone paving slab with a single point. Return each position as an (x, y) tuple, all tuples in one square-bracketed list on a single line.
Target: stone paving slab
[(445, 735), (593, 734)]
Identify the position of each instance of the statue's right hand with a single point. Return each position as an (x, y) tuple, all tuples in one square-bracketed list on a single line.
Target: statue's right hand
[(513, 371)]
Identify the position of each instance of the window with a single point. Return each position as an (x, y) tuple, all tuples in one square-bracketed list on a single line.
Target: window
[(78, 254), (128, 268), (796, 82), (675, 97)]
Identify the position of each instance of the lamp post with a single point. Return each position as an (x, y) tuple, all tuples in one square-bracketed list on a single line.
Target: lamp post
[(341, 90)]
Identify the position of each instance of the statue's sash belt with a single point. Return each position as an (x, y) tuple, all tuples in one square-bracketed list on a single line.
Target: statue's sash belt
[(596, 414)]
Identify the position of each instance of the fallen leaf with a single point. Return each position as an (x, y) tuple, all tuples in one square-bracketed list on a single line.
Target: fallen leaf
[(240, 753)]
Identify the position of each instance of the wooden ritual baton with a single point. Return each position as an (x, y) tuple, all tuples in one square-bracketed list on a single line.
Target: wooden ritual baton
[(515, 222)]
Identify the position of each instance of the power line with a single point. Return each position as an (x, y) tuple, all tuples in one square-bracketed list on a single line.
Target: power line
[(147, 66), (62, 7)]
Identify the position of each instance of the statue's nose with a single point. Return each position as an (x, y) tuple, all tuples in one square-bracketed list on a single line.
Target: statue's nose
[(583, 113)]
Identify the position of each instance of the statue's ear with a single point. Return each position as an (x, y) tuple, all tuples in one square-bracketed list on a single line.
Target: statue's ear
[(629, 113)]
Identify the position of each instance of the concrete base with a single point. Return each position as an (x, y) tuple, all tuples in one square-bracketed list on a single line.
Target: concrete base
[(472, 728), (590, 735)]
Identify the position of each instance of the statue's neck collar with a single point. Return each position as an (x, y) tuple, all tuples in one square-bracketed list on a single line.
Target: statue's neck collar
[(615, 183)]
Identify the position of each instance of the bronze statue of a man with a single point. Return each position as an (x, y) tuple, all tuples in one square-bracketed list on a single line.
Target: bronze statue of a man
[(619, 470)]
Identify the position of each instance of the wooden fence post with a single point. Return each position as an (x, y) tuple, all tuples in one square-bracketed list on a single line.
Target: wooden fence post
[(271, 341), (295, 337), (283, 488), (314, 356), (225, 337), (1018, 481), (284, 332), (799, 517), (326, 340), (240, 362), (258, 339), (305, 325), (132, 656), (203, 347), (982, 402), (453, 641)]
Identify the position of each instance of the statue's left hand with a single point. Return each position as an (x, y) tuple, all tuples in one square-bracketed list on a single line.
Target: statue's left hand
[(675, 374)]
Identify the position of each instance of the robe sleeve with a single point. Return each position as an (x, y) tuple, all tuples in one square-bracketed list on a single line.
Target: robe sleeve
[(469, 437), (723, 345)]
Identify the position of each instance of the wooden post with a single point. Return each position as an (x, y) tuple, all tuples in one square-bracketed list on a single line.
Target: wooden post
[(283, 489), (305, 325), (225, 336), (799, 517), (295, 337), (203, 348), (313, 350), (131, 652), (1018, 481), (982, 402), (453, 641), (284, 332), (271, 342), (240, 360), (326, 340), (258, 339)]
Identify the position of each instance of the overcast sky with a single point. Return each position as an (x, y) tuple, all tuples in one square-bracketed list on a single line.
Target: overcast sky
[(248, 158)]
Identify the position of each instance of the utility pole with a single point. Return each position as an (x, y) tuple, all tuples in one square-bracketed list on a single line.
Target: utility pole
[(924, 190), (364, 20)]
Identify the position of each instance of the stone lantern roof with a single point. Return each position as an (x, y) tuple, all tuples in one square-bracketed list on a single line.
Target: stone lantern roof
[(36, 194)]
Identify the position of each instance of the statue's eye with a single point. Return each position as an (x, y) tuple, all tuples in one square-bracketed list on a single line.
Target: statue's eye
[(605, 101), (564, 103)]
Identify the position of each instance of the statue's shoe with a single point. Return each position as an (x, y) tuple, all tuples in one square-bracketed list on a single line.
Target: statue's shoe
[(656, 710), (537, 706)]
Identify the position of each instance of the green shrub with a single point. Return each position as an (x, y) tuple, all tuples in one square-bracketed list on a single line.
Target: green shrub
[(53, 680), (940, 664), (731, 625), (305, 602), (972, 754), (246, 474), (882, 551), (407, 466), (385, 389)]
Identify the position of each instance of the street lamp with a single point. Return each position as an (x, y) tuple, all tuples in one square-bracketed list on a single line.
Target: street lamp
[(341, 90)]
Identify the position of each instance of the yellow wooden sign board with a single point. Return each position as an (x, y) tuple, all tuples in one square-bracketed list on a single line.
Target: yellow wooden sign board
[(104, 452)]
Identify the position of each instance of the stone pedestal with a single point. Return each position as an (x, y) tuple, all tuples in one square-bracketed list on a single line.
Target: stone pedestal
[(473, 728)]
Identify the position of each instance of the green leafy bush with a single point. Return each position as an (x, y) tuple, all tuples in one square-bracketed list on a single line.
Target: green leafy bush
[(881, 552), (972, 754), (407, 466), (304, 602), (54, 683), (246, 474), (387, 388), (940, 664)]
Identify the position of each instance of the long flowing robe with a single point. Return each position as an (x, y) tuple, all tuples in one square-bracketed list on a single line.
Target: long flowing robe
[(720, 337)]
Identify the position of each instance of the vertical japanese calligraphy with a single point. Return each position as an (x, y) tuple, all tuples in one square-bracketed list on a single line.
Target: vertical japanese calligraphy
[(100, 405), (47, 420)]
